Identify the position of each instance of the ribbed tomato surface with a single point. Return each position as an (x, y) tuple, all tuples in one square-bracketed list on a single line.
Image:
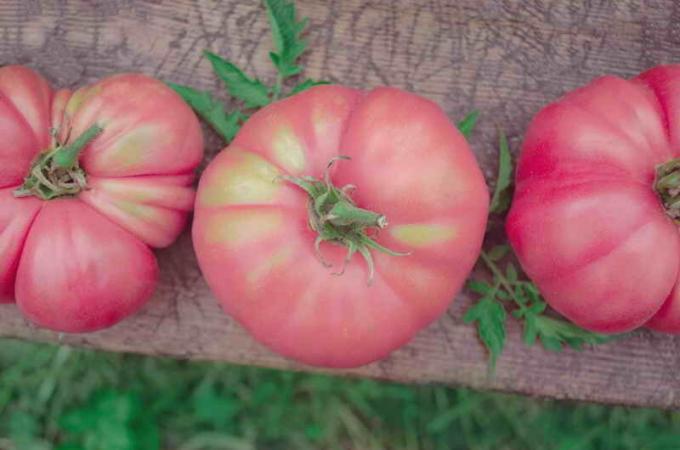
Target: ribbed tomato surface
[(83, 262), (586, 222), (256, 249)]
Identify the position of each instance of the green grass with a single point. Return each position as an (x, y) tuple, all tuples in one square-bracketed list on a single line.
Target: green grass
[(63, 398)]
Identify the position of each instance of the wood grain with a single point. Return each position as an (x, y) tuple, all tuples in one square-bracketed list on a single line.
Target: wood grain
[(505, 58)]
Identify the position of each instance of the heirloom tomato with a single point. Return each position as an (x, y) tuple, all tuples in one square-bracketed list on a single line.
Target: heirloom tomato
[(597, 199), (89, 180), (339, 222)]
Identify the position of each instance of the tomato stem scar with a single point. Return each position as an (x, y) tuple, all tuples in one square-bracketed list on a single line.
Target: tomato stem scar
[(667, 186), (336, 218), (56, 172)]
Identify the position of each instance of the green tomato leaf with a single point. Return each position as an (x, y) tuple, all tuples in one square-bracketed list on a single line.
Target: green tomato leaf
[(538, 307), (532, 293), (211, 110), (498, 252), (551, 343), (308, 83), (467, 125), (553, 333), (286, 31), (479, 287), (528, 306), (530, 330), (288, 46), (490, 317), (518, 295), (500, 201), (251, 91)]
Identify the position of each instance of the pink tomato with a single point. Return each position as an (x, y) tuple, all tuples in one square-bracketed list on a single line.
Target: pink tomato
[(89, 180), (594, 218), (407, 208)]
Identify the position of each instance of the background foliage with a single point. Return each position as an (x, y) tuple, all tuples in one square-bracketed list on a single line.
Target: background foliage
[(57, 397)]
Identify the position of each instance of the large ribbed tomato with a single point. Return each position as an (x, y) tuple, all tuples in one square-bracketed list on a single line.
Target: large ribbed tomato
[(88, 181), (598, 186), (263, 203)]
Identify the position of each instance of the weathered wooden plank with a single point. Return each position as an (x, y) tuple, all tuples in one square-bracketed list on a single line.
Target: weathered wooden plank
[(506, 58)]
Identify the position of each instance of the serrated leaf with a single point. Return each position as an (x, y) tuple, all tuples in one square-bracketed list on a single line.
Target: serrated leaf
[(467, 125), (551, 343), (479, 287), (251, 91), (500, 201), (286, 31), (521, 300), (555, 332), (211, 110), (532, 292), (530, 330), (308, 83), (490, 318), (538, 307), (498, 252)]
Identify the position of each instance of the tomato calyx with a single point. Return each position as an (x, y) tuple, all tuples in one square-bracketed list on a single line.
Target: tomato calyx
[(336, 218), (56, 172), (667, 185)]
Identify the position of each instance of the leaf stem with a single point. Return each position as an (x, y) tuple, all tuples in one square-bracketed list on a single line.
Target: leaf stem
[(66, 157), (276, 91), (667, 186), (56, 172), (335, 217), (504, 282)]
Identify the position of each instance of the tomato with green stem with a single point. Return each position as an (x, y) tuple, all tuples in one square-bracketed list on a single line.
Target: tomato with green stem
[(90, 181), (594, 220), (379, 185)]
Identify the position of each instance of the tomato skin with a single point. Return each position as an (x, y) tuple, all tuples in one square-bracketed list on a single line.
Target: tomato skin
[(16, 218), (586, 223), (256, 249), (667, 319), (81, 272), (82, 263), (25, 121)]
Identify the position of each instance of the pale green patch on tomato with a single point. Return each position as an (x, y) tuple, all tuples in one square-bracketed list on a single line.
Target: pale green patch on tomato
[(288, 150), (79, 97), (423, 235), (236, 228), (132, 192), (247, 179), (133, 208), (278, 258), (321, 123), (133, 146), (327, 116)]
